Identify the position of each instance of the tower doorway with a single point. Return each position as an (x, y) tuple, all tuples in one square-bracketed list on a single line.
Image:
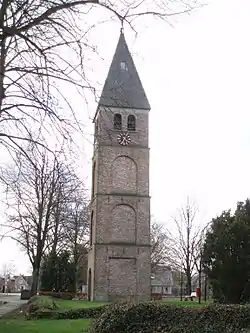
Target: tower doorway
[(89, 284)]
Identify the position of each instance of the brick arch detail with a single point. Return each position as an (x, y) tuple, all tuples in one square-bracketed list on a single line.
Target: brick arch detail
[(124, 175), (123, 224)]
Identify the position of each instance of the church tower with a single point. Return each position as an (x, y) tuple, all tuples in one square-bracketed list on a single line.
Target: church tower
[(119, 257)]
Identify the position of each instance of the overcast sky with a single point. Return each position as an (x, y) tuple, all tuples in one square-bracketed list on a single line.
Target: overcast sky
[(197, 78)]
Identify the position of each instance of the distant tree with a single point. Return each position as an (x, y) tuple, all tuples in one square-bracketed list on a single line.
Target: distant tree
[(37, 190), (159, 239), (182, 245), (179, 280), (227, 253), (76, 231), (57, 272), (198, 260), (48, 275), (7, 269)]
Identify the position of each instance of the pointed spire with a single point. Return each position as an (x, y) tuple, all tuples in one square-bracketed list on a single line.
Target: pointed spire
[(123, 87)]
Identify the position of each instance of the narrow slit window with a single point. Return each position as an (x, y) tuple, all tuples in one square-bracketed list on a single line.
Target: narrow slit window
[(131, 123), (123, 66), (91, 228), (117, 121), (96, 128), (93, 179)]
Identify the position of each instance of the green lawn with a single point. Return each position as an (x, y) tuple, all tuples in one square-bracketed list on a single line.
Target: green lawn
[(69, 304), (20, 325), (43, 326), (178, 302), (65, 304)]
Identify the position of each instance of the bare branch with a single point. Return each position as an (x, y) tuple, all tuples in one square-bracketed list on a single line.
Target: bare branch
[(184, 243), (44, 44)]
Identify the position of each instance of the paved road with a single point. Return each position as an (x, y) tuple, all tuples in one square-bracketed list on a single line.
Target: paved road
[(13, 302)]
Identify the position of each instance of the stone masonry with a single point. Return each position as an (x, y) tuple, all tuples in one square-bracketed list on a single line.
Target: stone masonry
[(119, 256)]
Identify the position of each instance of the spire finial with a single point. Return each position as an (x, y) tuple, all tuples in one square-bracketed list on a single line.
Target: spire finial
[(122, 27)]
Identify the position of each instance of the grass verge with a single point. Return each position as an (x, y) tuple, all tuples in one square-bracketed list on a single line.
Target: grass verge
[(15, 321), (70, 304), (178, 302), (21, 325)]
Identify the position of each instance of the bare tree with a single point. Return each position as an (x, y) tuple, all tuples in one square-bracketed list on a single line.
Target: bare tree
[(7, 270), (76, 231), (198, 260), (183, 244), (43, 46), (33, 189), (159, 245)]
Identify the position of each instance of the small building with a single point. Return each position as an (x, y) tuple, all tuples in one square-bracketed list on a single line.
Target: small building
[(20, 283), (15, 284), (2, 284), (162, 280), (7, 285)]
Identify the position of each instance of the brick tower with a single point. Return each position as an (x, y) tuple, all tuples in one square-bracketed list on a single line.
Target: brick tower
[(119, 256)]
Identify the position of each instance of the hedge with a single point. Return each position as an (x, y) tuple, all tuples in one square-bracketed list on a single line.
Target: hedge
[(62, 294), (152, 317), (68, 314), (39, 308), (26, 294), (158, 318), (37, 304)]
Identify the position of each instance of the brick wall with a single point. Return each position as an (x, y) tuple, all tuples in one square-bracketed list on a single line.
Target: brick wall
[(120, 255)]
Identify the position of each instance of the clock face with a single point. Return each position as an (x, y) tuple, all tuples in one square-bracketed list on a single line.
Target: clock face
[(124, 139)]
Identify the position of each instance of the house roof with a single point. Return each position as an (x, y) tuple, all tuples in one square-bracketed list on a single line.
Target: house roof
[(123, 87), (162, 276), (28, 279)]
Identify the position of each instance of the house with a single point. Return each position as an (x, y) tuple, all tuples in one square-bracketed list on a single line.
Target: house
[(15, 284), (2, 284), (162, 280), (21, 283), (7, 285), (10, 285), (29, 279)]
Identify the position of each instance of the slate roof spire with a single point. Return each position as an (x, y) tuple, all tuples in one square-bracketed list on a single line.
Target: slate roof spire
[(123, 87)]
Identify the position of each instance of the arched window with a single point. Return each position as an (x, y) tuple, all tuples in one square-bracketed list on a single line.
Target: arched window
[(131, 123), (91, 228), (93, 179), (117, 121)]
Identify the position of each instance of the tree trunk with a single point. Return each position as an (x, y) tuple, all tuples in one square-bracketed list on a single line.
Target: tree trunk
[(75, 282), (200, 286), (181, 286), (35, 280), (189, 283), (76, 262), (205, 289)]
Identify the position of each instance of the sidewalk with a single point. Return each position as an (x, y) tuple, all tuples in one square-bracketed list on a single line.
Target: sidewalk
[(13, 302)]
